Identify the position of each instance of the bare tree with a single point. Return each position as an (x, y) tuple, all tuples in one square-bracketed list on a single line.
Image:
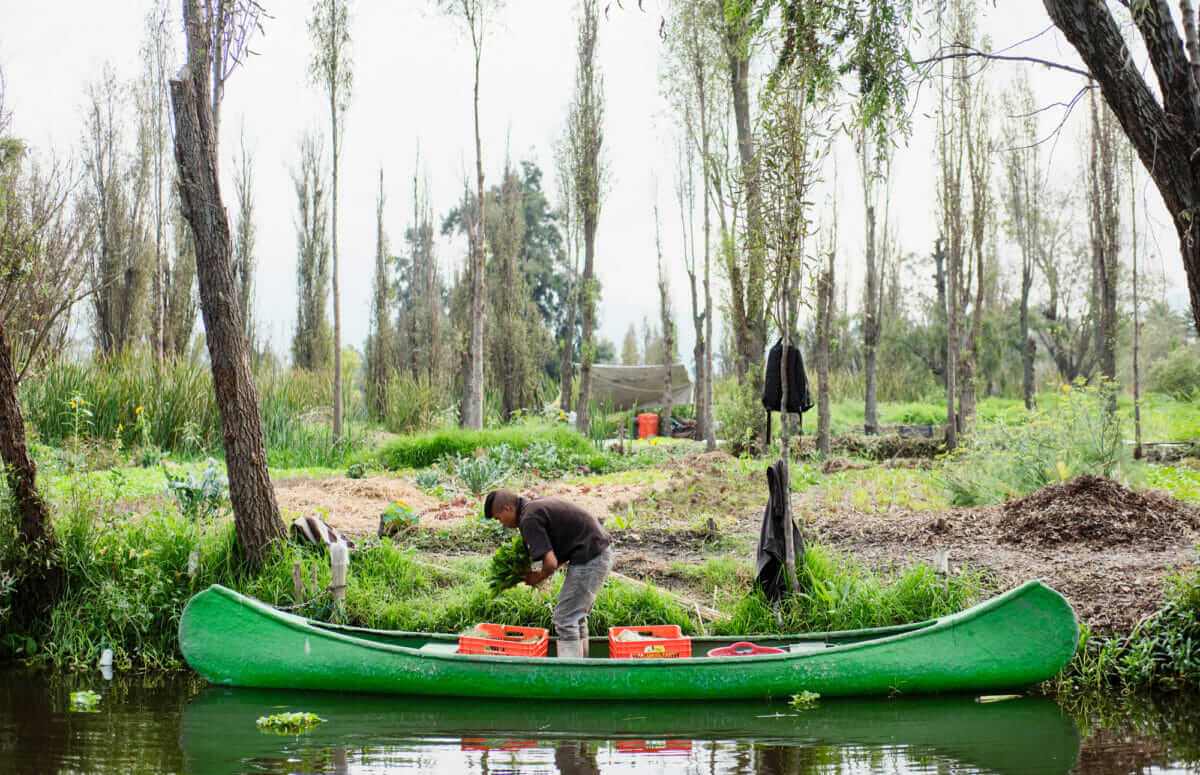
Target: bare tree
[(330, 68), (115, 197), (380, 341), (1164, 127), (825, 287), (1026, 201), (312, 344), (668, 327), (586, 137), (1104, 232), (157, 53), (571, 227), (476, 14), (42, 240), (256, 515), (244, 236)]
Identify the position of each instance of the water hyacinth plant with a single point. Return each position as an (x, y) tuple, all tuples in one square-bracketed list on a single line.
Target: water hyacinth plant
[(296, 723)]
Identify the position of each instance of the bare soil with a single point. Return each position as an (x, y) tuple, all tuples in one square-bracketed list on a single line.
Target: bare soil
[(1108, 549)]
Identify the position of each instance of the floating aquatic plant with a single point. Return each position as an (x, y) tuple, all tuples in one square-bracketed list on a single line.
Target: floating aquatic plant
[(296, 723), (805, 700), (86, 701)]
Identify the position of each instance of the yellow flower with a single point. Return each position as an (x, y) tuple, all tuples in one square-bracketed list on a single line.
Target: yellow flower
[(1062, 471), (1066, 388), (146, 553), (120, 427), (72, 403), (103, 549), (132, 553), (138, 410), (402, 504)]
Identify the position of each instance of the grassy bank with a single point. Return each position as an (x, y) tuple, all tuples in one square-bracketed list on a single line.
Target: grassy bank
[(127, 578)]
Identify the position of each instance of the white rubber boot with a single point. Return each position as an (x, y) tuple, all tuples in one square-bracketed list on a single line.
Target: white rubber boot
[(571, 649)]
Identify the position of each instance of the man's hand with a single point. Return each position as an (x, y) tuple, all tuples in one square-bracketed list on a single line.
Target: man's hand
[(549, 565)]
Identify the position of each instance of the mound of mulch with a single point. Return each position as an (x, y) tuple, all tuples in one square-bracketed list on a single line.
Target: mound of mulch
[(1096, 510)]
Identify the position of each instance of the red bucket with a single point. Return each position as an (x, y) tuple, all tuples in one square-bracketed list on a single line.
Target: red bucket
[(647, 425), (743, 649)]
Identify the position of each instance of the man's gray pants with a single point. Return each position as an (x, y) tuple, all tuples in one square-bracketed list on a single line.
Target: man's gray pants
[(578, 595)]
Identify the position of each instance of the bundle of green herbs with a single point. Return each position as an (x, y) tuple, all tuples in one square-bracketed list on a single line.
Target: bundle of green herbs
[(510, 563)]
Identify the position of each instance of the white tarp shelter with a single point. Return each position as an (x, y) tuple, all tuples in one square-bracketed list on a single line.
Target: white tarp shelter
[(641, 386)]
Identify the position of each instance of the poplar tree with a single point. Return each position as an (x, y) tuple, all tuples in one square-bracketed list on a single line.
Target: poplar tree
[(330, 68)]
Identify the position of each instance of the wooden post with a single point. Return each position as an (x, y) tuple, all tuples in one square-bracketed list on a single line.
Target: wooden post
[(297, 583), (339, 561)]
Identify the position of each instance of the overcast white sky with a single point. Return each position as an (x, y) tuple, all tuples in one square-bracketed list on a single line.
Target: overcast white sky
[(413, 81)]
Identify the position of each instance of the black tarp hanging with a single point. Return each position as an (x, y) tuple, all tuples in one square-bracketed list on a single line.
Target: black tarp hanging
[(799, 398), (770, 561)]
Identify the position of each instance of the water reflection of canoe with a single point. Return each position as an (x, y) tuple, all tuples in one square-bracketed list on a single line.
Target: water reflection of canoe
[(1026, 735), (1021, 637)]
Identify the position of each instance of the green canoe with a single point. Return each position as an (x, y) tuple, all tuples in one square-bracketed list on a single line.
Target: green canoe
[(1021, 637), (217, 731)]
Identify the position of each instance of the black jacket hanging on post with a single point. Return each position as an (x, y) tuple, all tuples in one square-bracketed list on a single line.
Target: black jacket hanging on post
[(799, 397), (770, 563)]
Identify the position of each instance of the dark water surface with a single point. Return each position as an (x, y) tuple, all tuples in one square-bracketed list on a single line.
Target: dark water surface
[(177, 724)]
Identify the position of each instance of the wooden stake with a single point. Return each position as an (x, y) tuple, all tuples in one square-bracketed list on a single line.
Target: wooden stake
[(297, 583), (339, 561)]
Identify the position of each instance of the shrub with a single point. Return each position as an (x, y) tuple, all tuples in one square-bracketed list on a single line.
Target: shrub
[(1072, 435), (739, 414), (410, 404), (201, 494), (425, 449), (1177, 375)]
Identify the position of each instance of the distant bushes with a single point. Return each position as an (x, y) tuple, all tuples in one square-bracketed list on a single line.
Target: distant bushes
[(425, 449), (1177, 375)]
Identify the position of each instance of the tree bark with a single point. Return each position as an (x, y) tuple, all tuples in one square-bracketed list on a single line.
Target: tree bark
[(39, 578), (1163, 134), (337, 296), (255, 512), (750, 319), (871, 328), (825, 290), (472, 411)]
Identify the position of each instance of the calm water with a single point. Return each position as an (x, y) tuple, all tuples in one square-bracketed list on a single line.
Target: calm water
[(178, 725)]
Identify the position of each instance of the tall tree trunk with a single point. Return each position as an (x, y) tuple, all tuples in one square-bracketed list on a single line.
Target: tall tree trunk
[(871, 327), (472, 410), (825, 292), (337, 296), (566, 369), (668, 328), (587, 303), (750, 314), (1137, 385), (255, 512), (40, 576)]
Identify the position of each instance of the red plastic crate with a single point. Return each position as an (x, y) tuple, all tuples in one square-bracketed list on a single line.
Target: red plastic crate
[(658, 747), (506, 641), (482, 744), (662, 640)]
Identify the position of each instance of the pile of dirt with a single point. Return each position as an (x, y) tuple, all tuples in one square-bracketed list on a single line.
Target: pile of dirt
[(883, 447), (1096, 510)]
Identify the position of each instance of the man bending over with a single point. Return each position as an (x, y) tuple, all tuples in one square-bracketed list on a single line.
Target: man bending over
[(557, 531)]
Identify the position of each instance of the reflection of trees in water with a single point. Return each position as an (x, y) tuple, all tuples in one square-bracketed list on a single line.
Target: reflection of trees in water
[(575, 757)]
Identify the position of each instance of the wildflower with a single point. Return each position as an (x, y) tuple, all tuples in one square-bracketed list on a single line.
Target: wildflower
[(146, 553), (132, 553), (120, 427), (72, 403), (138, 410), (103, 549), (1066, 388)]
